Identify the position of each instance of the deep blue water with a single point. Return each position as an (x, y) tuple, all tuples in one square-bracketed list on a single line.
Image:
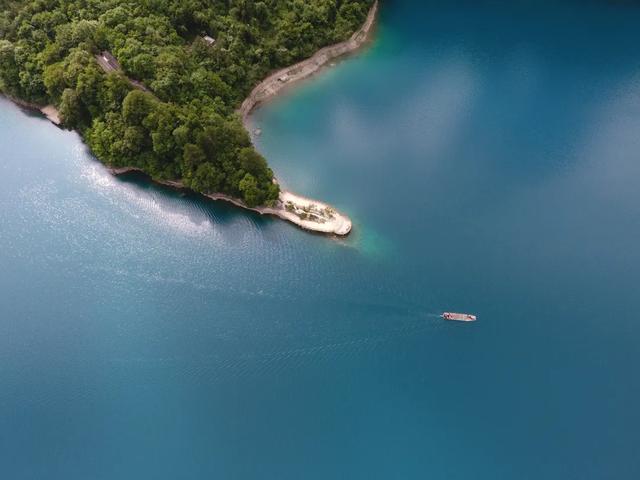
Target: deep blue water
[(488, 154)]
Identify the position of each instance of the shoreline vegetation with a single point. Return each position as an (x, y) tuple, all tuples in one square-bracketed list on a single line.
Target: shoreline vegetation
[(306, 213), (217, 157)]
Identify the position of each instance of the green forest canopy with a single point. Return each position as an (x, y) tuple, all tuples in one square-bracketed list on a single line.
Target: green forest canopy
[(185, 128)]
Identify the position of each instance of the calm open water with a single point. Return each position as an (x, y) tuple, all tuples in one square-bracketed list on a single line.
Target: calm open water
[(488, 154)]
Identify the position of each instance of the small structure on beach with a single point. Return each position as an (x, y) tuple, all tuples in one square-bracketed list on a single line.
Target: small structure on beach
[(108, 62)]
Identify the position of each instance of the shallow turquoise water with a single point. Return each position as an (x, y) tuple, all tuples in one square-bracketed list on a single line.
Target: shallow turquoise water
[(488, 155)]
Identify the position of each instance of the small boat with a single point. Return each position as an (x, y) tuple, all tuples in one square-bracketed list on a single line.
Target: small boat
[(459, 317)]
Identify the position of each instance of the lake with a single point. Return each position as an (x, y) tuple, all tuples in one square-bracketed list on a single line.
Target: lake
[(487, 153)]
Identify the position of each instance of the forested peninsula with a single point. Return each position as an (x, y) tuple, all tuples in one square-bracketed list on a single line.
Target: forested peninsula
[(155, 85)]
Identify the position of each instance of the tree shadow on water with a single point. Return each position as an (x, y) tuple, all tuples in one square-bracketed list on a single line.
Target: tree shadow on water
[(195, 206)]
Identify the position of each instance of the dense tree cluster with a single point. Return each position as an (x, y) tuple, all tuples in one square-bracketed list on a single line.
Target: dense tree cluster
[(184, 127)]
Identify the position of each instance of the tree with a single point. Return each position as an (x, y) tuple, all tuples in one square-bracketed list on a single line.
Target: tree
[(254, 163), (88, 87), (207, 179), (134, 140), (141, 66), (71, 109), (9, 71), (192, 157), (250, 192), (136, 106), (112, 93), (54, 80)]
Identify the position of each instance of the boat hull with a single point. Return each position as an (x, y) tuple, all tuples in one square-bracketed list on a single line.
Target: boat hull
[(459, 317)]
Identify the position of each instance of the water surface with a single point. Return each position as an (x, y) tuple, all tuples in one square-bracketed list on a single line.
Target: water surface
[(487, 153)]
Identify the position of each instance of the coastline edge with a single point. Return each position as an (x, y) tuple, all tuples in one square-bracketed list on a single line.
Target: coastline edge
[(267, 89), (340, 224)]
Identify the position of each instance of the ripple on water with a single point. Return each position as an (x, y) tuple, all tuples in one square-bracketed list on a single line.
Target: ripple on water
[(144, 205)]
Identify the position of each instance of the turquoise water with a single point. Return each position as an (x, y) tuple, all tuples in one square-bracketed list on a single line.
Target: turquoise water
[(488, 155)]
